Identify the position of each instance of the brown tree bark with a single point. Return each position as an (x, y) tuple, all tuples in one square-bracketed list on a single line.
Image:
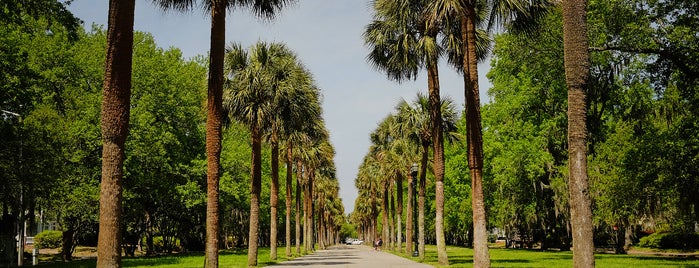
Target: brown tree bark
[(299, 183), (67, 247), (409, 228), (577, 61), (255, 187), (481, 256), (116, 94), (289, 178), (274, 198), (399, 211), (385, 225), (421, 185), (214, 116), (392, 210), (438, 161)]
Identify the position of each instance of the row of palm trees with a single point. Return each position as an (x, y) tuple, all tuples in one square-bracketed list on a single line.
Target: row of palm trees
[(272, 93), (409, 35), (259, 87), (402, 138)]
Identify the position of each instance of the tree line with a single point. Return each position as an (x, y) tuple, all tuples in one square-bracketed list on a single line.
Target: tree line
[(609, 154), (57, 156)]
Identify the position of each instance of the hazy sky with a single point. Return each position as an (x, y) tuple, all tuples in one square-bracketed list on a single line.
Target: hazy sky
[(327, 36)]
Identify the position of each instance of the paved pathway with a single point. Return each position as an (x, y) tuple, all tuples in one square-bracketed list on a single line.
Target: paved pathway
[(350, 256)]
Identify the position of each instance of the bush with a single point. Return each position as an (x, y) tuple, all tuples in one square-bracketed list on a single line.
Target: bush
[(159, 244), (49, 239), (670, 241)]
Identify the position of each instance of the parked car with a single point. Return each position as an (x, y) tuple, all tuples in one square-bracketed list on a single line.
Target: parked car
[(353, 241)]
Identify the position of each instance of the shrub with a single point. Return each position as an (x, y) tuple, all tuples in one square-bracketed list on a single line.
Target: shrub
[(159, 244), (49, 239), (670, 241)]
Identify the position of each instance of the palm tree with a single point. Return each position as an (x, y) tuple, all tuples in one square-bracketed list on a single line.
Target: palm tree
[(403, 39), (316, 155), (414, 124), (468, 46), (262, 8), (293, 102), (305, 139), (577, 69), (381, 141), (391, 149), (116, 94), (298, 103), (368, 201), (263, 85)]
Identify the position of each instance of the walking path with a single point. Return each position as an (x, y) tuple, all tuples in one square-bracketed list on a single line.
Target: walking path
[(350, 256)]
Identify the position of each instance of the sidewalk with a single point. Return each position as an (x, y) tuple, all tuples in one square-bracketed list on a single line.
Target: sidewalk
[(350, 256)]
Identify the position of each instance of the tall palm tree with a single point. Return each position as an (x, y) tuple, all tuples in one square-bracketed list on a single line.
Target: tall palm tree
[(381, 141), (468, 46), (368, 199), (116, 94), (297, 107), (293, 102), (577, 68), (305, 141), (263, 8), (414, 123), (263, 84), (315, 156), (403, 39)]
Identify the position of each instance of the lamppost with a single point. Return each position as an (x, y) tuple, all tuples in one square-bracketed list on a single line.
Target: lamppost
[(413, 184), (20, 225)]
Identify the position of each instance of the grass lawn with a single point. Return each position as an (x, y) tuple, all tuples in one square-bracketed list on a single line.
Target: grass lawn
[(458, 257), (227, 258), (463, 257)]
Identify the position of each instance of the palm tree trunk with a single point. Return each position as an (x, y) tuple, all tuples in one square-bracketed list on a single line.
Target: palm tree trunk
[(307, 213), (274, 199), (311, 196), (421, 201), (289, 177), (577, 62), (255, 185), (481, 256), (392, 210), (385, 229), (213, 128), (438, 161), (399, 211), (299, 180), (409, 228), (116, 94)]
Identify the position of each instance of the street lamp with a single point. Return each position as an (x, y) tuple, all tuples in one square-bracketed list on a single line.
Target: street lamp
[(413, 184), (20, 235)]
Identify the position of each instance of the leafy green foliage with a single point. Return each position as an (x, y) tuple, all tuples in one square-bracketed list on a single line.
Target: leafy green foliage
[(670, 241), (49, 239)]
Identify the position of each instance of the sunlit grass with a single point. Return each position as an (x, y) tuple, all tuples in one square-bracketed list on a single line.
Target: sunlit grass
[(227, 258), (463, 257)]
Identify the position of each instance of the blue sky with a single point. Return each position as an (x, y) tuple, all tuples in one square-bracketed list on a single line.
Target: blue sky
[(327, 36)]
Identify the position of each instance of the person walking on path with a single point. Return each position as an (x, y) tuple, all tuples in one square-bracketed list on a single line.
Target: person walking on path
[(377, 244)]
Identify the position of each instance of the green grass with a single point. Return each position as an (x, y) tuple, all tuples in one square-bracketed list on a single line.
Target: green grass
[(463, 257), (227, 258), (458, 257)]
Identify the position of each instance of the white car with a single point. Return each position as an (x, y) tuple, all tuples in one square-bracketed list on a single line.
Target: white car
[(357, 242)]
